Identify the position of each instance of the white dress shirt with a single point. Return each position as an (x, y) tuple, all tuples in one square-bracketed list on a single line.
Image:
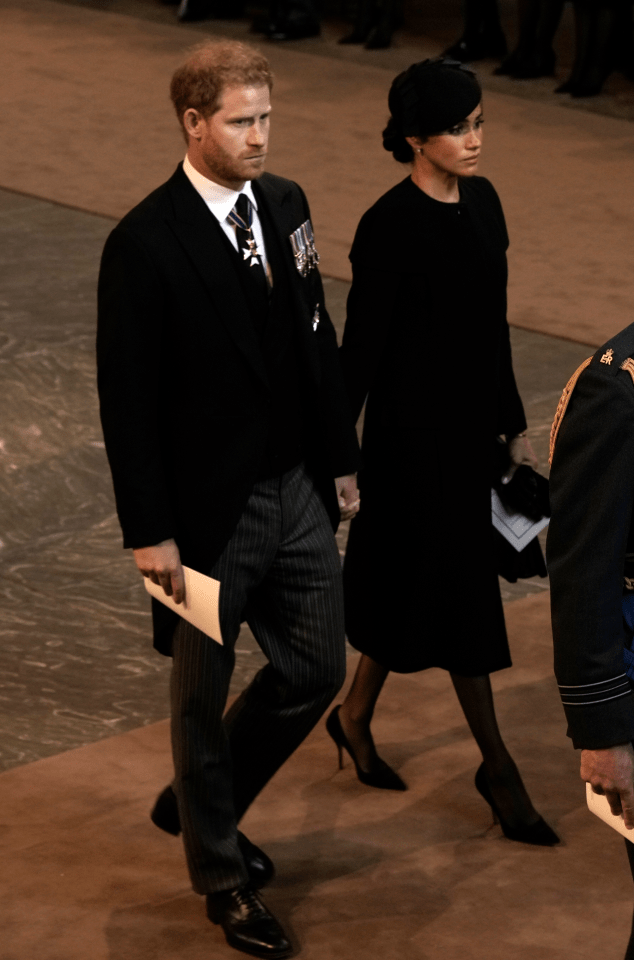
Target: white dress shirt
[(221, 201)]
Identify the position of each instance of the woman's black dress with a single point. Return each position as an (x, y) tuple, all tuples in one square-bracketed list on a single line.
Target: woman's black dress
[(427, 342)]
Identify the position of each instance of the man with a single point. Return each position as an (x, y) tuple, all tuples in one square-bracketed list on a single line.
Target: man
[(225, 422), (591, 566)]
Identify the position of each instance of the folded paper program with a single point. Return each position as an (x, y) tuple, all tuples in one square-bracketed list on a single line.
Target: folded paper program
[(514, 526), (200, 607)]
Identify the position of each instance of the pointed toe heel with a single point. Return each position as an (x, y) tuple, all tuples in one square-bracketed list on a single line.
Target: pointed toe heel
[(539, 834), (381, 776)]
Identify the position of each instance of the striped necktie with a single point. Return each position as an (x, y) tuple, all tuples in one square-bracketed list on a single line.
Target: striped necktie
[(242, 218)]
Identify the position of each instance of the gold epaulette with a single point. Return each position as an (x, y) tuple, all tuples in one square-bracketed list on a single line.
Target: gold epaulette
[(562, 406), (629, 366)]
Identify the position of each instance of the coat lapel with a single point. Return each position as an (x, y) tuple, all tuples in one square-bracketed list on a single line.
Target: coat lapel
[(194, 227)]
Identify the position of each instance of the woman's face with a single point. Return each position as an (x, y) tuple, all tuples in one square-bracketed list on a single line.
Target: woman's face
[(456, 151)]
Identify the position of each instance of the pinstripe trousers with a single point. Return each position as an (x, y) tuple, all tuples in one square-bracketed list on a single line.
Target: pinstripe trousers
[(282, 574)]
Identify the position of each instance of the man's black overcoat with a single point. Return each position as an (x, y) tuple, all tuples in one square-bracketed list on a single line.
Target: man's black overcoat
[(185, 401)]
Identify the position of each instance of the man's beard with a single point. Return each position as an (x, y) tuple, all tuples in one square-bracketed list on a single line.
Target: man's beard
[(226, 167)]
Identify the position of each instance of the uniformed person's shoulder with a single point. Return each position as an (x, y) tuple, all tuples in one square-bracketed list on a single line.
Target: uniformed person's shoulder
[(612, 358), (608, 372)]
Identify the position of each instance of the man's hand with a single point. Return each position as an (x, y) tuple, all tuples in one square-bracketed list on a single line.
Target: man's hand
[(348, 496), (610, 772), (162, 564), (520, 452)]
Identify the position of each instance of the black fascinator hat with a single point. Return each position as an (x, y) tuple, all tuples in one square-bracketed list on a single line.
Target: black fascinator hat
[(426, 99)]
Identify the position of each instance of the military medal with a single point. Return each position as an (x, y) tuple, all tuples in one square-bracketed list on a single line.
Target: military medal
[(304, 250)]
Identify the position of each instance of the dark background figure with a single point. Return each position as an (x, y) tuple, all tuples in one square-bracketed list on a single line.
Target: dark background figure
[(533, 54), (375, 23), (591, 565), (427, 331), (191, 11), (224, 416), (482, 35), (603, 43), (289, 20)]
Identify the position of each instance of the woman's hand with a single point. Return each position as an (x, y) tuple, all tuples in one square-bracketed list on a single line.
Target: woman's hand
[(520, 451), (348, 496)]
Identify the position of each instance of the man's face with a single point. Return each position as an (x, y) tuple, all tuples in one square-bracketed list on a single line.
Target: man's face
[(230, 146)]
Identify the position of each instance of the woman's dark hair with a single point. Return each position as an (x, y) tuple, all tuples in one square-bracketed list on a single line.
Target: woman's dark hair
[(396, 144), (426, 99)]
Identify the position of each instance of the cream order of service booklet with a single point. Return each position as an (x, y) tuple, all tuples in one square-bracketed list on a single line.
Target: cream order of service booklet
[(200, 607), (514, 527), (598, 804)]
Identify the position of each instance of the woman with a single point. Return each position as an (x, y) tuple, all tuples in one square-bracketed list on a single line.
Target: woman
[(427, 342)]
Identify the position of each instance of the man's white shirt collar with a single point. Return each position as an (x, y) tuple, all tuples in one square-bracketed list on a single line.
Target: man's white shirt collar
[(220, 200)]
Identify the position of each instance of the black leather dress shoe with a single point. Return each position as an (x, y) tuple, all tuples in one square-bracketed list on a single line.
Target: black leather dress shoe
[(164, 813), (259, 867), (247, 924), (165, 816)]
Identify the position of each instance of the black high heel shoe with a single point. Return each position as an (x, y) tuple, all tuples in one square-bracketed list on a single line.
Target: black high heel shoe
[(382, 776), (538, 833)]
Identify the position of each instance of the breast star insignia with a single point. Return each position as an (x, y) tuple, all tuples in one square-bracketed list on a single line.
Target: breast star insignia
[(607, 356)]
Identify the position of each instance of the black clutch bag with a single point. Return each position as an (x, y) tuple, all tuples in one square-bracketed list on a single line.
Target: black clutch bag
[(526, 492)]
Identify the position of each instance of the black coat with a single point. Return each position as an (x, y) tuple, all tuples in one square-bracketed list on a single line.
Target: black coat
[(591, 531), (427, 342), (185, 402)]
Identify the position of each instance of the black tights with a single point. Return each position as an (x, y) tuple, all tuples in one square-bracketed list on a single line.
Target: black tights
[(476, 700)]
